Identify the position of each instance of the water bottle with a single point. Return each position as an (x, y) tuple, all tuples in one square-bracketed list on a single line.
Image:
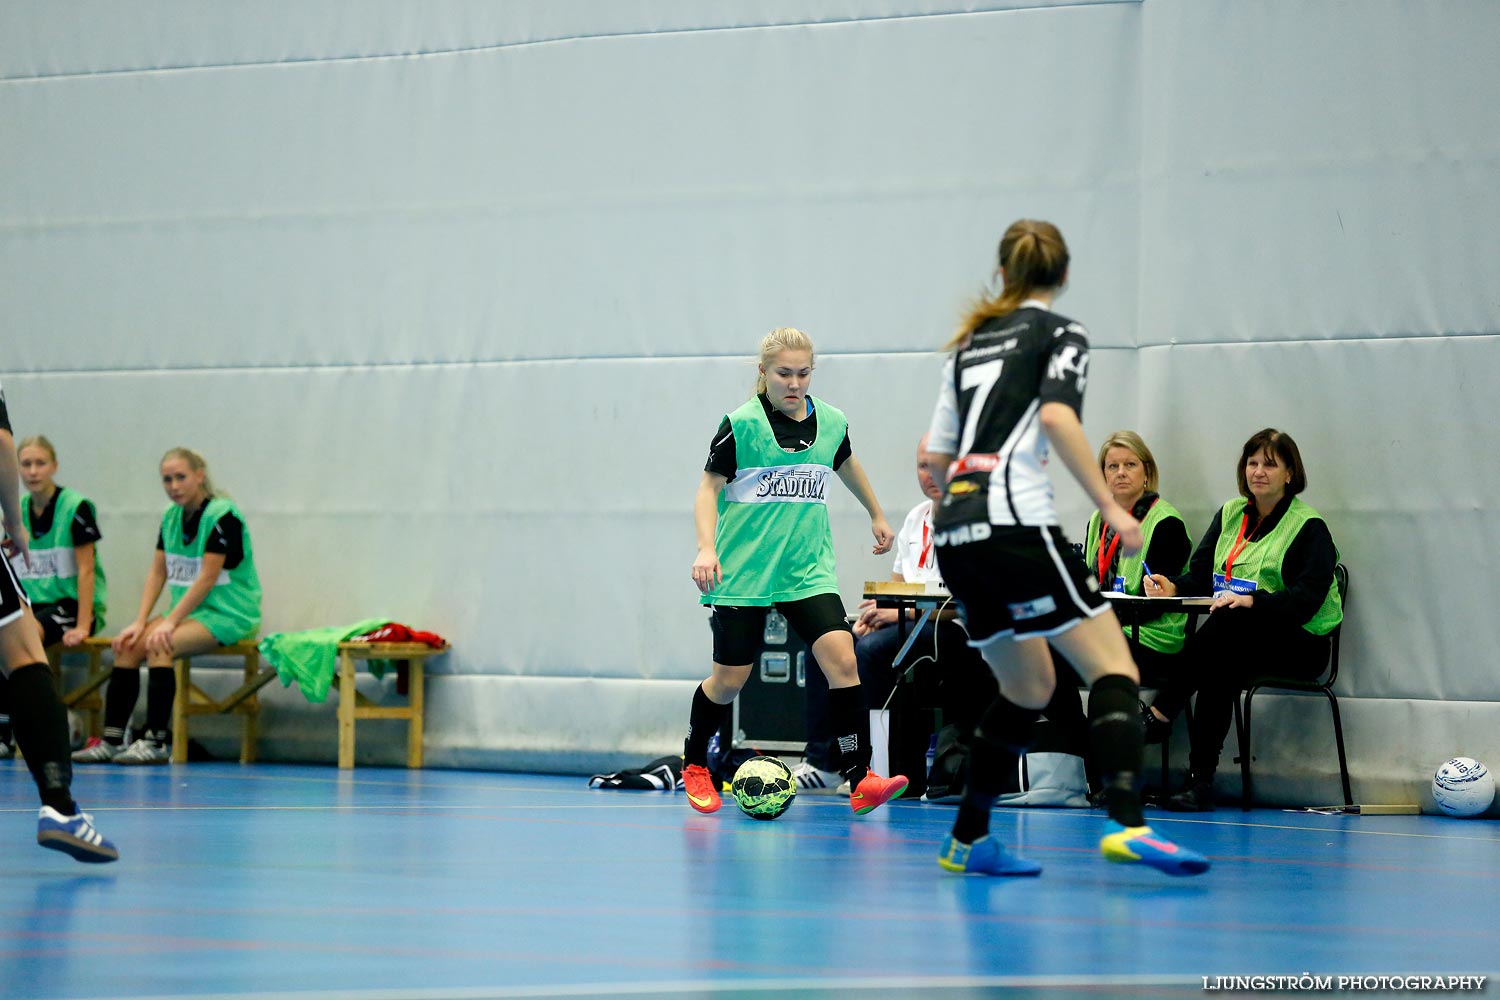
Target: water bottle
[(931, 752)]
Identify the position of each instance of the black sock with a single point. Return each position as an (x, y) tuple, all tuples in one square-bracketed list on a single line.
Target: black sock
[(706, 719), (973, 819), (119, 702), (1115, 740), (1002, 736), (850, 718), (41, 724), (161, 688)]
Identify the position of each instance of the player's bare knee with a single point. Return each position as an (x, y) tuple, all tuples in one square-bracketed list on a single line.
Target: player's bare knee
[(725, 683), (841, 673), (1029, 692)]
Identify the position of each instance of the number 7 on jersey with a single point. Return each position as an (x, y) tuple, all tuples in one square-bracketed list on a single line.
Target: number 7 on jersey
[(980, 379)]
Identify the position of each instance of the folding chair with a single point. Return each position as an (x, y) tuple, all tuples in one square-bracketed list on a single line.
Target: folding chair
[(1322, 684)]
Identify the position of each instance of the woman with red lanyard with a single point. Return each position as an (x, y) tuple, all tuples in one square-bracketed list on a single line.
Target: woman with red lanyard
[(1131, 474), (1267, 558)]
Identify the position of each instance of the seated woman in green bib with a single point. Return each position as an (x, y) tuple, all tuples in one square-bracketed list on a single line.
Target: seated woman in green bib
[(65, 581), (1130, 471), (206, 562), (1268, 560), (63, 578)]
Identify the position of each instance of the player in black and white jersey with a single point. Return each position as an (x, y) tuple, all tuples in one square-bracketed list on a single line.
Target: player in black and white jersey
[(38, 717), (1012, 389)]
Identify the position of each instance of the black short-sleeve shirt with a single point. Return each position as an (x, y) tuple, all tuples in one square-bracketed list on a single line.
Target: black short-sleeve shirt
[(227, 537), (791, 435), (85, 527)]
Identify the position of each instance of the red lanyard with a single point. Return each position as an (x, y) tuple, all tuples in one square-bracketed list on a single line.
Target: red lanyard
[(1107, 558), (926, 553), (1239, 543)]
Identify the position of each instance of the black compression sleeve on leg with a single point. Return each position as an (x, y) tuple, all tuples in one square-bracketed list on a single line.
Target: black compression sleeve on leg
[(706, 719), (40, 721), (1115, 739)]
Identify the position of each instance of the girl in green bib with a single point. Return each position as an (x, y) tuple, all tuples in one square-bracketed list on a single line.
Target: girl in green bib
[(63, 578), (66, 580), (764, 541), (1268, 559), (206, 562)]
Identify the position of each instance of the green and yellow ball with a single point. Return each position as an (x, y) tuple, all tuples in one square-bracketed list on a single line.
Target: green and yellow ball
[(763, 787)]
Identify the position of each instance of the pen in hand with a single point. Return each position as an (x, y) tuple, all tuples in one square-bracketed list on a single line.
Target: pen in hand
[(1147, 581)]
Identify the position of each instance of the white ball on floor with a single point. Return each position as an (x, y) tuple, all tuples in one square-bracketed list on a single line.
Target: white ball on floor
[(1463, 787)]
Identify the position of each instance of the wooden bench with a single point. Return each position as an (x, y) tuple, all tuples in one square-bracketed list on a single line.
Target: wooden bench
[(354, 706), (190, 700), (85, 697), (244, 700)]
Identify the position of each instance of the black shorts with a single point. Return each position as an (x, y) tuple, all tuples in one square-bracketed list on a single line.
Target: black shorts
[(1022, 582), (57, 618), (740, 632), (13, 598)]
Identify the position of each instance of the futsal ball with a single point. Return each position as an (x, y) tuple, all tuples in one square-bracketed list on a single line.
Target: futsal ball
[(763, 787), (1463, 787)]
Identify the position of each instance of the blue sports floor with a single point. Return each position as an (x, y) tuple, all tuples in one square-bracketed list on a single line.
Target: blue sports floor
[(289, 881)]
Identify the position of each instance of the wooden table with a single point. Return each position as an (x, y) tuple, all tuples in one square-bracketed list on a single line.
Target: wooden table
[(924, 597)]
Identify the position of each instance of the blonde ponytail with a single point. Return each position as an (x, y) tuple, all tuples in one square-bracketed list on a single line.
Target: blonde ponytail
[(1033, 257)]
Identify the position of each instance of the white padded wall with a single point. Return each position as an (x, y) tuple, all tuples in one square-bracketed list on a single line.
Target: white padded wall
[(100, 36), (1318, 204), (1330, 175), (454, 302)]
